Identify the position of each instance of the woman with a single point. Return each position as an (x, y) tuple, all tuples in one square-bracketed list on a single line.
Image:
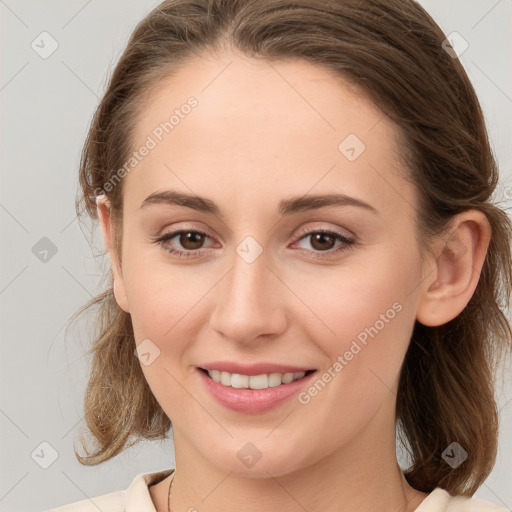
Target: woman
[(295, 200)]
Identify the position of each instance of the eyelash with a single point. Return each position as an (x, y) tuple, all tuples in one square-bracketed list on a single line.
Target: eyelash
[(348, 242)]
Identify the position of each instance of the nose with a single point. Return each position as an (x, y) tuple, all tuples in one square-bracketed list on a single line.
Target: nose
[(250, 302)]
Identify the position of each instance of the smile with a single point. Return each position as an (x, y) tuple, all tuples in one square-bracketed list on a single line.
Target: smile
[(267, 392), (263, 381)]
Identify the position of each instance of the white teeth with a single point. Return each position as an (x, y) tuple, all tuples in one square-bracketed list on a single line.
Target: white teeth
[(239, 381), (263, 381)]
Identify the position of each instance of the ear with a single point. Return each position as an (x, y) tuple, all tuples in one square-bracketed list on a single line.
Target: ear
[(104, 215), (459, 256)]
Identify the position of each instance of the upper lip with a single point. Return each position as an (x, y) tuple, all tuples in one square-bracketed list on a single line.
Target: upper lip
[(254, 368)]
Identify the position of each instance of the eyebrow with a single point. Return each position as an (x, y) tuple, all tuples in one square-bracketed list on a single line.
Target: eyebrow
[(286, 207)]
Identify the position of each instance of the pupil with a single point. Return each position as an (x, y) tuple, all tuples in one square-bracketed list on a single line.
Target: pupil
[(191, 238), (321, 237)]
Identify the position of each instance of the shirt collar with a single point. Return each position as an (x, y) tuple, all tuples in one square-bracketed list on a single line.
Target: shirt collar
[(137, 498)]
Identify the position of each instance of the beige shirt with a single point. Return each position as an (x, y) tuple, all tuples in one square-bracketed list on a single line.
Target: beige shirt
[(137, 499)]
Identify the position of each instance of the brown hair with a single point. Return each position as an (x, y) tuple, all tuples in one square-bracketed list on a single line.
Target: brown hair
[(392, 50)]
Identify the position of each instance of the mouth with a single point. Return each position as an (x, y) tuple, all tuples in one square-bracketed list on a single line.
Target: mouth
[(256, 382), (253, 394)]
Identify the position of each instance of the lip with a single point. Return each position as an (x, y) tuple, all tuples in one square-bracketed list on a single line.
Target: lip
[(252, 401), (254, 368)]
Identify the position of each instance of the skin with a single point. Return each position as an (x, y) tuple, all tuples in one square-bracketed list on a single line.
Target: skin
[(261, 133)]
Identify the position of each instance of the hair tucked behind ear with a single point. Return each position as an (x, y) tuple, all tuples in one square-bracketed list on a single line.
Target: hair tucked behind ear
[(392, 50)]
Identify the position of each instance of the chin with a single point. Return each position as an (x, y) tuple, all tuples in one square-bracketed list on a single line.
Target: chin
[(252, 460)]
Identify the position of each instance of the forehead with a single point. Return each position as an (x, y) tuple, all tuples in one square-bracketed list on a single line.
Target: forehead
[(261, 95), (261, 127)]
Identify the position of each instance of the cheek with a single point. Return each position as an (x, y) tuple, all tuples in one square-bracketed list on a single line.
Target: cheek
[(164, 308), (365, 312), (160, 295), (367, 317)]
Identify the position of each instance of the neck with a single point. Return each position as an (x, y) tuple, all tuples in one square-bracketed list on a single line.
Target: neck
[(363, 475)]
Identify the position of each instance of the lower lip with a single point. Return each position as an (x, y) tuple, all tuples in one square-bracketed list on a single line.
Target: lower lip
[(253, 401)]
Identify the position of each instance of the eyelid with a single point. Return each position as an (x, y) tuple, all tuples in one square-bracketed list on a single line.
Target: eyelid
[(186, 227), (347, 241), (322, 228), (309, 229), (168, 235)]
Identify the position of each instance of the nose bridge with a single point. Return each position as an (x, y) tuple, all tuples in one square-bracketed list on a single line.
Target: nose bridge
[(247, 302), (248, 285)]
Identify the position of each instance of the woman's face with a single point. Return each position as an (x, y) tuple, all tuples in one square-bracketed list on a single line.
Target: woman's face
[(259, 142)]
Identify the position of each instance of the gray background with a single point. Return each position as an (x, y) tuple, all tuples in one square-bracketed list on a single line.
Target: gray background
[(46, 106)]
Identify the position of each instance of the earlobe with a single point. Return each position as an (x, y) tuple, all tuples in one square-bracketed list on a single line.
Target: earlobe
[(120, 294), (103, 209), (459, 258)]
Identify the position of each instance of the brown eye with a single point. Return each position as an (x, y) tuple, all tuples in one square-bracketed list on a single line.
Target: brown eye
[(191, 240), (183, 243), (322, 241)]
